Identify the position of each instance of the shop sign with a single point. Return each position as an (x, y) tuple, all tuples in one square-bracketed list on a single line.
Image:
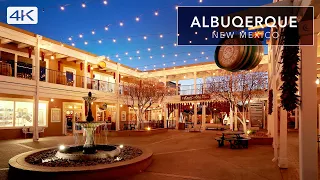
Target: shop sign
[(195, 97)]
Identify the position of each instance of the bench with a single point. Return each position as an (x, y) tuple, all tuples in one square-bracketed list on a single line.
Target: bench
[(238, 143), (214, 126), (29, 130)]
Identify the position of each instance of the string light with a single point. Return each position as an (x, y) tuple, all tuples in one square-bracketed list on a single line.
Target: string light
[(161, 47), (163, 55), (114, 40), (86, 43), (200, 1), (137, 19), (117, 56), (70, 38), (130, 58), (129, 39), (202, 52), (83, 5), (92, 32), (100, 41), (178, 34), (190, 42), (62, 8), (80, 35), (150, 57), (196, 32), (149, 49), (52, 57), (177, 7), (106, 28), (105, 2), (184, 61), (196, 59), (207, 57), (161, 36), (164, 64), (73, 44), (206, 38), (121, 23), (175, 44), (139, 57), (174, 63), (126, 53), (189, 54), (176, 55), (144, 37), (156, 13), (138, 52)]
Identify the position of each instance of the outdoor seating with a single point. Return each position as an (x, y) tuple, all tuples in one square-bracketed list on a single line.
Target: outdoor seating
[(234, 138)]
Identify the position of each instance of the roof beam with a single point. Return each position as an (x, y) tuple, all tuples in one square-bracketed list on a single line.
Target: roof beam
[(6, 41), (22, 45)]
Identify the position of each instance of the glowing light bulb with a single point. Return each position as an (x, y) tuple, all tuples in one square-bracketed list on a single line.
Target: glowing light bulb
[(100, 41), (177, 7), (156, 13), (105, 2), (137, 19), (52, 57), (161, 36), (121, 23), (161, 47), (83, 5), (195, 59), (119, 59), (106, 28), (178, 34), (174, 63), (144, 37), (62, 147), (189, 54), (73, 44), (129, 39), (207, 57), (62, 8), (317, 81), (149, 49), (114, 40), (164, 64), (86, 43), (117, 55), (138, 52), (139, 57), (70, 38), (200, 1), (206, 39), (80, 36), (163, 55), (92, 32)]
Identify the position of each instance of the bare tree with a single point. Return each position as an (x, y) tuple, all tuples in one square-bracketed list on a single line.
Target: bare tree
[(143, 94), (238, 87)]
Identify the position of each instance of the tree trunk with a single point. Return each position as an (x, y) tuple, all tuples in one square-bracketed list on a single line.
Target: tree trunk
[(244, 124), (231, 118)]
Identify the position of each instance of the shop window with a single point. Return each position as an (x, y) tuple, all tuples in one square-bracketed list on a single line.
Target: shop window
[(24, 114), (6, 113), (42, 115), (6, 64), (24, 68)]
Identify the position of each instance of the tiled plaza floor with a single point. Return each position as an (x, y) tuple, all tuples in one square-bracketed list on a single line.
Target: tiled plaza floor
[(183, 155)]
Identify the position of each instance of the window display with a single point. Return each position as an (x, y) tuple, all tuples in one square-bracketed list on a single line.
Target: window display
[(24, 114), (6, 113), (19, 114)]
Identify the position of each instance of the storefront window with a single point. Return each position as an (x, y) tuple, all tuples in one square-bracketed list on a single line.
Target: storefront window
[(42, 116), (24, 114), (6, 113)]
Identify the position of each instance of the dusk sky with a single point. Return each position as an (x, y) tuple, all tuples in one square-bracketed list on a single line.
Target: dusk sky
[(60, 25)]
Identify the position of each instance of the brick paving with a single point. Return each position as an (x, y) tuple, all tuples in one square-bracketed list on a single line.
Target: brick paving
[(183, 155)]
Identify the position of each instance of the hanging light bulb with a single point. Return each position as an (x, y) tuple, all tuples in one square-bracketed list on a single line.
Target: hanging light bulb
[(177, 7), (129, 39), (137, 19), (73, 44), (156, 13), (139, 57), (130, 58), (144, 37), (174, 63), (100, 41), (149, 49), (176, 55), (138, 52), (106, 28), (202, 52), (119, 59), (105, 2), (161, 36), (164, 64), (196, 59), (62, 8), (189, 54), (52, 57), (163, 55), (178, 34), (117, 55), (190, 42), (206, 38), (121, 23), (114, 40), (175, 44), (92, 32), (83, 5), (80, 36), (86, 43), (70, 38), (196, 32), (161, 47), (154, 65), (150, 57)]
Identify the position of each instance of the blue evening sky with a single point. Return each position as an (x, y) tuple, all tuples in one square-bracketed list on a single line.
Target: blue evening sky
[(74, 20)]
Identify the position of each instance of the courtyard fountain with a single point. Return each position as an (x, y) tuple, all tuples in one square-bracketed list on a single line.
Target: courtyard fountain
[(98, 161)]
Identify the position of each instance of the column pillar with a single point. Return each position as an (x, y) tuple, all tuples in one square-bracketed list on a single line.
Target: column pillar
[(177, 87), (195, 114), (15, 65), (165, 116), (36, 73), (231, 118), (308, 154), (275, 119), (86, 74), (283, 152), (176, 117), (47, 70), (118, 99), (195, 82), (203, 126)]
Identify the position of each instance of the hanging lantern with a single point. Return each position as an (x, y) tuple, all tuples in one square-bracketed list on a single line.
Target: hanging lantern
[(89, 68), (42, 56), (119, 78), (114, 75), (29, 52), (81, 66), (93, 76)]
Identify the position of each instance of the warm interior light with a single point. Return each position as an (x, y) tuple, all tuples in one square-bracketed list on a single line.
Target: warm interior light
[(52, 57), (62, 147), (148, 128), (120, 105), (317, 81), (121, 146), (51, 100)]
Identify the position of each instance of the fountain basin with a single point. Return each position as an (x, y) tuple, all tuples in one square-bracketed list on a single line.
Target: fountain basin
[(19, 168), (76, 152)]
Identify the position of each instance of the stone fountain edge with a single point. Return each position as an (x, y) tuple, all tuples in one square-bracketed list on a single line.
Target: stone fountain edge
[(19, 168)]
